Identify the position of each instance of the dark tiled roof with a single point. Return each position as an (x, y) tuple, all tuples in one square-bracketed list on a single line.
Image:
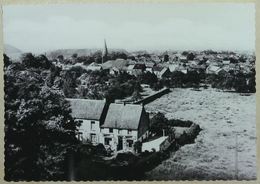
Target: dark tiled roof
[(139, 66), (123, 116), (86, 109), (158, 68), (118, 63)]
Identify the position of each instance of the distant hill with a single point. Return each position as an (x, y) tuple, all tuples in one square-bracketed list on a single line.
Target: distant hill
[(69, 52), (12, 52)]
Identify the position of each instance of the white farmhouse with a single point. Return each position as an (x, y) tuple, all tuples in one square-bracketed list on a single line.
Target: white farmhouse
[(116, 126), (91, 114), (124, 125)]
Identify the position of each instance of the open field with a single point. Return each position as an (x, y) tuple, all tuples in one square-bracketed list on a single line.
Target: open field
[(213, 155)]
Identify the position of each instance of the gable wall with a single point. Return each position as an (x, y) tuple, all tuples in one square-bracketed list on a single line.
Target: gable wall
[(86, 130), (144, 124)]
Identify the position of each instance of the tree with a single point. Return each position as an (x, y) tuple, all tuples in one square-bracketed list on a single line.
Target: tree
[(97, 56), (185, 53), (131, 57), (157, 85), (60, 57), (54, 72), (190, 56), (177, 79), (138, 146), (158, 124), (69, 86), (166, 58), (192, 78), (78, 70), (31, 61), (28, 59), (148, 78), (74, 56), (117, 55), (136, 95), (43, 62), (7, 61), (39, 130), (251, 82)]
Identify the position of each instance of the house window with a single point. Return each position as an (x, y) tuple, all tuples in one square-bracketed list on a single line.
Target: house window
[(107, 140), (110, 130), (93, 138), (119, 131), (130, 143), (92, 125), (80, 121), (129, 132), (80, 136)]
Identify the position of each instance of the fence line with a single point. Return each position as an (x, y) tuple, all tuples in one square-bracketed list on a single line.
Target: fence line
[(153, 97)]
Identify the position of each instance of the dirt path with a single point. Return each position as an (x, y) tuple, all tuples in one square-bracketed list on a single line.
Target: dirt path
[(220, 115)]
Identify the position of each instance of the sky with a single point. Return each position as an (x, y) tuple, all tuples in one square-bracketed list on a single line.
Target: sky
[(131, 26)]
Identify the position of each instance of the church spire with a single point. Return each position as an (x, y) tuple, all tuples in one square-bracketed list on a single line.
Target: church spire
[(105, 52)]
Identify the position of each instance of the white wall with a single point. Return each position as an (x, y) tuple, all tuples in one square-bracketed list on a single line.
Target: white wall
[(122, 132), (86, 129)]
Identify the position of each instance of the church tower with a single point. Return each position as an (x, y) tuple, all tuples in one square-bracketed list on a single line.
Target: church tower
[(104, 53)]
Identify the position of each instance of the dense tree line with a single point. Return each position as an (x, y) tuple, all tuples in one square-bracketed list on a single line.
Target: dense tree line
[(40, 133), (78, 83), (239, 82), (160, 124), (235, 81)]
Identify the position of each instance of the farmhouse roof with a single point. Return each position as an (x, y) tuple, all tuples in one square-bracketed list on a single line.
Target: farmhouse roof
[(130, 67), (213, 68), (226, 62), (139, 66), (164, 71), (86, 109), (93, 65), (173, 67), (183, 57), (118, 63), (123, 116), (158, 68), (149, 64)]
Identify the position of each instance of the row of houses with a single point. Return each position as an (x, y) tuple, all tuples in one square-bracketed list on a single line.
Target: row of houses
[(116, 126), (114, 67), (161, 70)]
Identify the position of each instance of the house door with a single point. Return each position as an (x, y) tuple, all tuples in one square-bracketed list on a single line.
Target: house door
[(93, 138), (120, 143)]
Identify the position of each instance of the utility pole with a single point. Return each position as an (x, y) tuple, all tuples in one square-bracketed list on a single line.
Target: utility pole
[(163, 132), (236, 157)]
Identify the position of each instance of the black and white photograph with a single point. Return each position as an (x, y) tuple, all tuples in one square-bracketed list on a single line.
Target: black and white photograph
[(129, 91)]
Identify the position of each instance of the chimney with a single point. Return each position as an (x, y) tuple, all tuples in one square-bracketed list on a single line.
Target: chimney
[(142, 105)]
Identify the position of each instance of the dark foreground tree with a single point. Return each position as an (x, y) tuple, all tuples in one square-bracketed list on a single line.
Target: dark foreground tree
[(159, 123), (7, 61), (39, 130)]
